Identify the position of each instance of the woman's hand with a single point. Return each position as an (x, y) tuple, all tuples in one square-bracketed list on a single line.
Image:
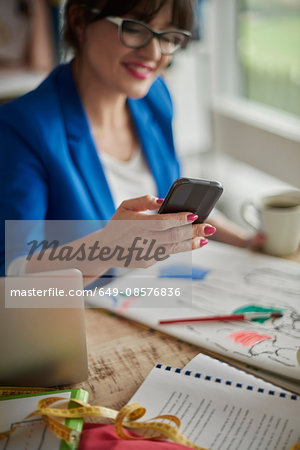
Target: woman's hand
[(137, 239), (130, 239), (230, 233), (255, 242)]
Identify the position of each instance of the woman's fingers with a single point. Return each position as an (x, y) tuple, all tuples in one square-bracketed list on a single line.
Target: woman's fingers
[(256, 242), (182, 233), (185, 246), (133, 209), (168, 231), (138, 204), (203, 229), (172, 235)]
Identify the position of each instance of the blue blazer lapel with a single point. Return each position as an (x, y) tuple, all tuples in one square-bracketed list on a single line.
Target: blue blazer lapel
[(81, 146)]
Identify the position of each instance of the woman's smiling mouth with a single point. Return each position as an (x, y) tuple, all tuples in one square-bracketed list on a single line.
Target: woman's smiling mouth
[(139, 70)]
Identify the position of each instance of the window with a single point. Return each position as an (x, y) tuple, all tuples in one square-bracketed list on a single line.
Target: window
[(255, 106), (188, 78), (268, 49)]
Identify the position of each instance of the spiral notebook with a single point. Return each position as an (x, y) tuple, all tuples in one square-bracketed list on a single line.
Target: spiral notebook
[(219, 413)]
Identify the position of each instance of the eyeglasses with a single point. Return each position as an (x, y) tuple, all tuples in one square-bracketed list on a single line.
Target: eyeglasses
[(135, 34)]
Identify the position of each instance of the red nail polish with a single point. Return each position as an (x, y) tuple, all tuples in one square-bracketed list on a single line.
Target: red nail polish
[(261, 238), (209, 230), (192, 217), (159, 201), (203, 242)]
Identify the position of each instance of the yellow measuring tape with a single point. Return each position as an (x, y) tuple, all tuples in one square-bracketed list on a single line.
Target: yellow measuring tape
[(127, 417)]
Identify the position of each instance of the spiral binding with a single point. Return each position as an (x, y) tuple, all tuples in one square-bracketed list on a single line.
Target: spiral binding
[(260, 390)]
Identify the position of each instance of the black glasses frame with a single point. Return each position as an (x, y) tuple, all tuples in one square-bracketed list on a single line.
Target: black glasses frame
[(119, 21)]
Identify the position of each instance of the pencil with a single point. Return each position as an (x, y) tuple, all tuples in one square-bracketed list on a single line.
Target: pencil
[(245, 316)]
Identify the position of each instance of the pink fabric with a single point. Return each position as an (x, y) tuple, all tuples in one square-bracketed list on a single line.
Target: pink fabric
[(96, 437)]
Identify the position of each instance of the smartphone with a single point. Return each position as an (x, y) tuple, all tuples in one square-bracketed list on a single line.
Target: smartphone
[(192, 194)]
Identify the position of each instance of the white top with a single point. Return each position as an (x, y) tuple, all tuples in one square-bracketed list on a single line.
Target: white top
[(128, 179)]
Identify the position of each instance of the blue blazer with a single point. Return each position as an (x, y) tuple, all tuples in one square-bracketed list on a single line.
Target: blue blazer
[(50, 169)]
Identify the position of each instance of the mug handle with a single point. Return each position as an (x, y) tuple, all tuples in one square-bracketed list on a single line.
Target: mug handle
[(251, 219)]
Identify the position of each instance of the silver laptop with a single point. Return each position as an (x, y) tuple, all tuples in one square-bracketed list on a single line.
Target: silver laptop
[(42, 337)]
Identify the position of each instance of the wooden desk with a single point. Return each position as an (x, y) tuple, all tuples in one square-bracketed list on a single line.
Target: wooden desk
[(121, 354)]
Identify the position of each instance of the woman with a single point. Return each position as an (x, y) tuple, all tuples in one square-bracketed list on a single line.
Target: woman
[(98, 131)]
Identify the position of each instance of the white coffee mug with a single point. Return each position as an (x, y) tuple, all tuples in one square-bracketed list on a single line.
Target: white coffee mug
[(278, 218)]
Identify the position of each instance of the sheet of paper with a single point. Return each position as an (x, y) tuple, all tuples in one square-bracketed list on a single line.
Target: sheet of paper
[(226, 280), (218, 416), (32, 434)]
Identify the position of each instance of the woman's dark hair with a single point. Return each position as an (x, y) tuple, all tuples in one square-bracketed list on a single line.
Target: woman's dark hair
[(144, 10)]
